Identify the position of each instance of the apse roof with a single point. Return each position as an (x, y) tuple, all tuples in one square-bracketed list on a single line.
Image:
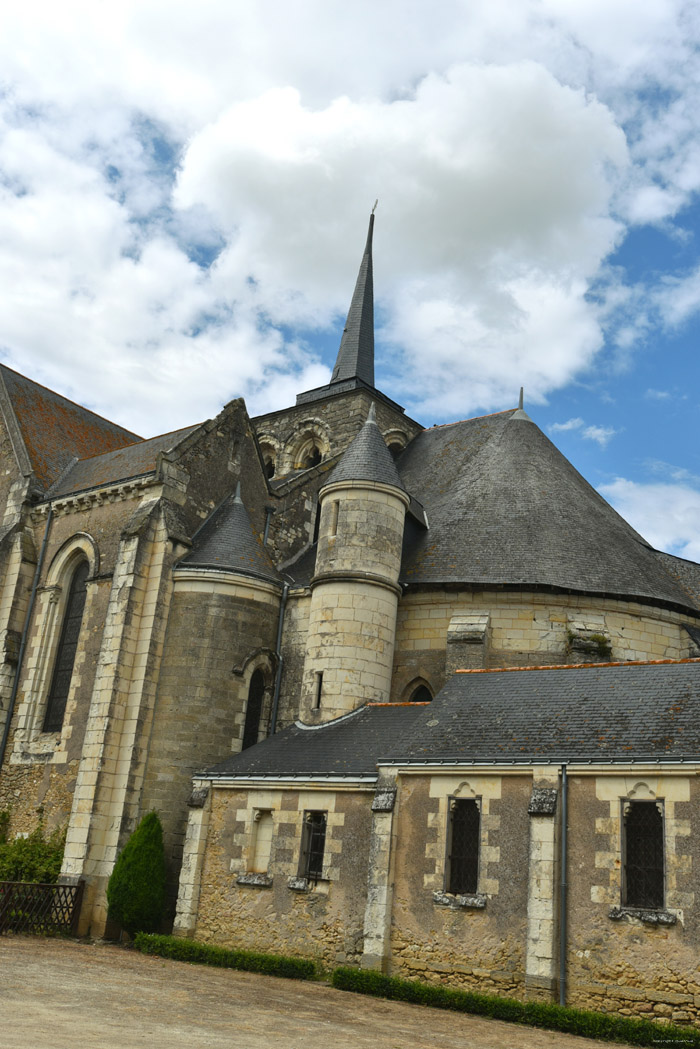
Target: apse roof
[(506, 508)]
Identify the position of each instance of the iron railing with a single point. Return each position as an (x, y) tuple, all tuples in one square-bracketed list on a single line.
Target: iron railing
[(35, 907)]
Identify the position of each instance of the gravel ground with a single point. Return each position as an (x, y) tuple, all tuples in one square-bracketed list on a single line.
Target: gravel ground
[(64, 994)]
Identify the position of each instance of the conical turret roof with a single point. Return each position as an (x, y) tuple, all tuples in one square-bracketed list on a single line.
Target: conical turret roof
[(507, 508), (367, 458), (356, 354), (227, 541)]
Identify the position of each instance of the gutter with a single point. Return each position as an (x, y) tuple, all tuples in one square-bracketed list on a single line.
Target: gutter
[(563, 889), (280, 663), (25, 632)]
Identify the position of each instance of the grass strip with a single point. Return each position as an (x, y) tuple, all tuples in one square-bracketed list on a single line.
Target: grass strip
[(608, 1027), (182, 950)]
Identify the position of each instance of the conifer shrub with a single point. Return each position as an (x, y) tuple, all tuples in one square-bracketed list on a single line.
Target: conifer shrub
[(183, 950), (136, 888), (34, 858)]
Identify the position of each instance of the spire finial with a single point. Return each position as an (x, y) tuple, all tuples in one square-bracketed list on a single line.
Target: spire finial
[(371, 415), (375, 206), (237, 496), (520, 402)]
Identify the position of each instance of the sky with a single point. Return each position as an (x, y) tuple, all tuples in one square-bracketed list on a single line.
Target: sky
[(185, 190)]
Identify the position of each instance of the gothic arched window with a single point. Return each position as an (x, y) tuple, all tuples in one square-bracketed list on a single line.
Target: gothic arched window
[(65, 653), (256, 694), (422, 694)]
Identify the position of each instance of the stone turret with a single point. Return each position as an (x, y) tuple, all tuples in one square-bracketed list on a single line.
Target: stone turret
[(355, 591)]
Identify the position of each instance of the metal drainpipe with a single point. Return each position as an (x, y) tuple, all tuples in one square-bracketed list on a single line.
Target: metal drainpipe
[(562, 891), (23, 641), (280, 661)]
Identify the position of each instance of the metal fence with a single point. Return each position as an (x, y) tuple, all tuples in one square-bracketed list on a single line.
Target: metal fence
[(35, 907)]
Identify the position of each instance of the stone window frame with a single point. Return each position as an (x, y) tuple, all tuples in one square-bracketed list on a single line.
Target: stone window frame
[(474, 789), (262, 659), (271, 452), (413, 686), (308, 434), (31, 743), (669, 790), (453, 805), (249, 875)]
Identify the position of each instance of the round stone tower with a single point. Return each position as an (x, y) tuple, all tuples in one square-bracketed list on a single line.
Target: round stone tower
[(355, 591)]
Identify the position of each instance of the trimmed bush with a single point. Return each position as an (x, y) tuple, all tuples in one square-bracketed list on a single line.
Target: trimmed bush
[(136, 888), (605, 1026), (208, 954), (34, 858)]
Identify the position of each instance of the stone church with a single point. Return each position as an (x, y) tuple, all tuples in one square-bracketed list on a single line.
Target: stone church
[(413, 699)]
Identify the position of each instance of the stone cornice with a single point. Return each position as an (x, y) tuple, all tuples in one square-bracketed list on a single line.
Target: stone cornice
[(113, 493)]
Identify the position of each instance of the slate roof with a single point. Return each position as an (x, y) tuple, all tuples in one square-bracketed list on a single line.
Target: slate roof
[(367, 458), (226, 541), (603, 713), (348, 746), (133, 461), (53, 430), (356, 354), (505, 507), (608, 713)]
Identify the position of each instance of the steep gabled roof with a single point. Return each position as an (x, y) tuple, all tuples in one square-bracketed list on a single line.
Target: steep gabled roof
[(227, 542), (48, 430), (121, 465), (505, 507)]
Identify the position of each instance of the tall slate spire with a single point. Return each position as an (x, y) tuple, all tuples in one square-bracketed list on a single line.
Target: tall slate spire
[(356, 353)]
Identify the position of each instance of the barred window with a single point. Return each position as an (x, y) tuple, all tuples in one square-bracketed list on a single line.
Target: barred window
[(65, 653), (462, 873), (313, 844), (643, 846)]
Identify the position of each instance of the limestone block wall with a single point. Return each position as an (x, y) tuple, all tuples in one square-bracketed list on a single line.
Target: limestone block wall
[(294, 638), (220, 629), (630, 966), (528, 629), (434, 938), (324, 922), (39, 773)]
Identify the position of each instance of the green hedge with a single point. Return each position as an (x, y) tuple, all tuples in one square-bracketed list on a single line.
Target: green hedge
[(207, 954), (606, 1026)]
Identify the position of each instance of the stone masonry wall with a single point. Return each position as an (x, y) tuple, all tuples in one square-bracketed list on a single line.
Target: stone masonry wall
[(213, 628), (467, 947), (527, 629), (324, 923)]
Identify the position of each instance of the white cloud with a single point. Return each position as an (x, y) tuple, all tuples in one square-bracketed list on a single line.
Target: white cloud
[(600, 434), (667, 515), (138, 140), (570, 424)]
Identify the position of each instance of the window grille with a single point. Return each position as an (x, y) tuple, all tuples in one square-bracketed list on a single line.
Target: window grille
[(644, 854), (253, 711), (65, 654), (313, 845), (463, 846)]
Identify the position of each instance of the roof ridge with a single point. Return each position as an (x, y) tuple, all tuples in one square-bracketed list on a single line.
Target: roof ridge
[(471, 419), (579, 666), (142, 440)]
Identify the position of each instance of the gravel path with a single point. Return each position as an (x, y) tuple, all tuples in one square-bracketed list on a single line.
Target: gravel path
[(63, 994)]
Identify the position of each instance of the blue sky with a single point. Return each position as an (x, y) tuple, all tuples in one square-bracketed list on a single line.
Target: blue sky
[(184, 194)]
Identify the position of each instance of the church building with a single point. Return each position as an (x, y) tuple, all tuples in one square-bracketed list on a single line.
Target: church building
[(411, 699)]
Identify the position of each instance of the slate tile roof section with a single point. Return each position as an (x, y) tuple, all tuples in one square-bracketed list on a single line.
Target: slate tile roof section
[(356, 354), (367, 458), (227, 542), (135, 460), (601, 713), (54, 430), (505, 507), (349, 746)]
